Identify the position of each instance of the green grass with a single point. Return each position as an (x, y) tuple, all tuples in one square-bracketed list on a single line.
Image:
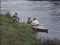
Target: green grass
[(13, 33)]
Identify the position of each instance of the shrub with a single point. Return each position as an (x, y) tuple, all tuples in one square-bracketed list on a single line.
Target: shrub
[(8, 15)]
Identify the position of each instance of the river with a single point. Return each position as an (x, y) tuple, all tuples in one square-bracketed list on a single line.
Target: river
[(47, 13)]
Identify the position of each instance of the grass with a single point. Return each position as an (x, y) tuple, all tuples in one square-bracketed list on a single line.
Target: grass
[(13, 33)]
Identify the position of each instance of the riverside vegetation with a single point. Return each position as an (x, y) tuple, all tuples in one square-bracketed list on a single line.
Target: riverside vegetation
[(13, 33)]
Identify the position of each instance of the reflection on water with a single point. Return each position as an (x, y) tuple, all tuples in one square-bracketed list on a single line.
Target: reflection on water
[(48, 13)]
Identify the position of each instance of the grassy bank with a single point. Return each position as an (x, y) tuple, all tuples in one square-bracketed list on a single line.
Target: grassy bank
[(16, 34), (13, 33)]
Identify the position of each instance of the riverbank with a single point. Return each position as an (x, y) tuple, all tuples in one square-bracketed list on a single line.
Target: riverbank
[(13, 33), (16, 34)]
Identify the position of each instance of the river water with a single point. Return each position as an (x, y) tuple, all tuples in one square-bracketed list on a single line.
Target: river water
[(47, 13)]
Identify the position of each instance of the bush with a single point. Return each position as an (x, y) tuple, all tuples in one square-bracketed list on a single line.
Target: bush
[(8, 15)]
